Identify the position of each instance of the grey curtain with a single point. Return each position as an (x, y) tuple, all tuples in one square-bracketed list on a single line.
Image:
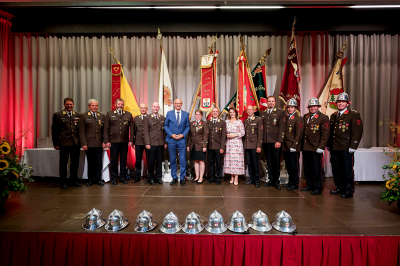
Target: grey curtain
[(50, 68)]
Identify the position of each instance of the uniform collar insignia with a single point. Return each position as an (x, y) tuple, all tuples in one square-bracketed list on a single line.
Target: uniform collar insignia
[(64, 113), (211, 119), (152, 115), (89, 113), (316, 116), (292, 117), (123, 112), (73, 112), (274, 109), (346, 112), (253, 118), (115, 111), (308, 115), (98, 113), (218, 120)]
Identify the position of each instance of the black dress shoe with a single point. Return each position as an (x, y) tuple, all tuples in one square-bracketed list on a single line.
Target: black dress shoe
[(64, 186), (114, 183), (194, 180), (123, 181), (337, 191), (249, 182), (286, 185), (316, 192), (151, 182), (136, 180), (293, 188), (307, 188), (100, 183), (257, 185), (210, 181), (277, 186), (88, 184), (218, 183), (159, 181), (347, 195), (75, 184), (199, 183), (183, 182), (174, 180), (268, 184)]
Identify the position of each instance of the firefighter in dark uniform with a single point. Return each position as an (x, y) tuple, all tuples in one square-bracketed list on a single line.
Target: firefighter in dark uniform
[(346, 133), (138, 141), (154, 139), (316, 136), (292, 144), (216, 145), (252, 143), (274, 132), (91, 136), (118, 136), (65, 135)]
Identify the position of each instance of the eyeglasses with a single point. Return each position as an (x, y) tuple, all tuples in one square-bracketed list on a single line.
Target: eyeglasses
[(177, 103)]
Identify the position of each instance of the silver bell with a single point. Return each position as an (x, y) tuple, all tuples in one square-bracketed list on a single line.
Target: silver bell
[(170, 224), (116, 221), (144, 222), (237, 223), (192, 224), (259, 222), (216, 223), (343, 97), (94, 220), (283, 222), (292, 102), (313, 102)]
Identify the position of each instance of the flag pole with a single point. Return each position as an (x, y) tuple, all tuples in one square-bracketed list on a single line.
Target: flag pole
[(214, 40), (159, 37)]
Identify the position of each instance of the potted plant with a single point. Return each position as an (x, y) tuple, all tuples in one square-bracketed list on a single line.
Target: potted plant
[(13, 172)]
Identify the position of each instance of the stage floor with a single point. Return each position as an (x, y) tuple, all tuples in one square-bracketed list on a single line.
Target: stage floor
[(47, 208)]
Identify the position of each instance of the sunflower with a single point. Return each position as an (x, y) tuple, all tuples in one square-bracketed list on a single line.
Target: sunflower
[(3, 165), (5, 148), (15, 174)]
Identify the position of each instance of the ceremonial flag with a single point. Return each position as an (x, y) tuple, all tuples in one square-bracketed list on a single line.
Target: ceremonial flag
[(245, 92), (259, 85), (230, 104), (208, 83), (290, 87), (334, 85), (164, 87)]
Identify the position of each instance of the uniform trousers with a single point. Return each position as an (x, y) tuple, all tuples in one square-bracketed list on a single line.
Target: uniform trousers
[(118, 149), (273, 157), (155, 154), (66, 152), (342, 170), (139, 156), (215, 165), (252, 161), (312, 162), (95, 162), (292, 165)]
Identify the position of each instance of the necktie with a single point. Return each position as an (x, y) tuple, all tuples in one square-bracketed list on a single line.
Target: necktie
[(94, 114), (311, 117), (69, 114), (178, 119), (141, 117), (214, 121), (157, 117)]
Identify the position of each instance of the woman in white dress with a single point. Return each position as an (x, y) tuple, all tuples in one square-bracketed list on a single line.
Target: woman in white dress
[(234, 156)]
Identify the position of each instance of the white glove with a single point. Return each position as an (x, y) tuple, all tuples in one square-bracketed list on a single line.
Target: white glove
[(292, 150), (351, 151), (319, 150)]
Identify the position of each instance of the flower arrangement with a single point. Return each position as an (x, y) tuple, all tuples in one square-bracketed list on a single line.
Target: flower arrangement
[(13, 172), (392, 191)]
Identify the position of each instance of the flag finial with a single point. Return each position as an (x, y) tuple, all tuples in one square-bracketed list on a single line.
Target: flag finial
[(214, 40), (112, 52), (159, 37), (293, 28), (262, 59), (344, 47)]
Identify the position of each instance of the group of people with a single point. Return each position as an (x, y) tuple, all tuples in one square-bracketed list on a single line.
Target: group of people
[(274, 131)]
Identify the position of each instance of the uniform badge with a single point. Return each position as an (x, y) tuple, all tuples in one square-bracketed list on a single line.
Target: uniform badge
[(274, 121), (64, 113), (327, 125), (284, 119), (89, 113), (358, 122), (346, 112), (253, 118), (218, 120), (115, 112), (262, 127), (316, 116), (274, 109), (301, 125), (343, 130), (292, 117), (99, 122)]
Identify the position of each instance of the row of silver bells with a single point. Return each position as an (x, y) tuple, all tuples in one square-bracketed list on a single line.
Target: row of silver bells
[(94, 220)]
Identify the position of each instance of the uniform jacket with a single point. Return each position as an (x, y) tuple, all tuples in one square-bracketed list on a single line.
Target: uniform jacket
[(65, 130), (216, 134), (346, 131), (274, 125), (198, 135), (118, 128), (316, 132), (138, 130), (154, 133), (171, 127), (91, 129), (253, 137), (293, 133)]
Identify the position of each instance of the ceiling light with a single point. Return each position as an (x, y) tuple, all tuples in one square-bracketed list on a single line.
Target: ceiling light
[(376, 6)]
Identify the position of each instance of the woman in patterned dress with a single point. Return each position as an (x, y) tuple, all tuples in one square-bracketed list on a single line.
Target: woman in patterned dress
[(234, 157)]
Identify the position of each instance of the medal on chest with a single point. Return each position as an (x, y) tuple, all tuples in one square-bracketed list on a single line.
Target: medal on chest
[(290, 128), (274, 121)]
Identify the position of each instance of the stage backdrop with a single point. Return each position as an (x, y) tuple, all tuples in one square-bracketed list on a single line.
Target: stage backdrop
[(50, 68)]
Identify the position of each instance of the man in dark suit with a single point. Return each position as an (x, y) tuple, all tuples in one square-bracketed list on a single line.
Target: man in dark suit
[(138, 140), (118, 136), (154, 139), (91, 137), (65, 134), (252, 143), (177, 127), (274, 132), (216, 145), (346, 133), (316, 135)]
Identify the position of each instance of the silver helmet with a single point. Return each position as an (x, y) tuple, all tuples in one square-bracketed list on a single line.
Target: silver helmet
[(144, 222), (170, 224), (259, 222), (343, 97), (216, 223), (292, 102), (313, 102), (283, 222), (237, 223), (116, 221), (94, 220), (192, 224)]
